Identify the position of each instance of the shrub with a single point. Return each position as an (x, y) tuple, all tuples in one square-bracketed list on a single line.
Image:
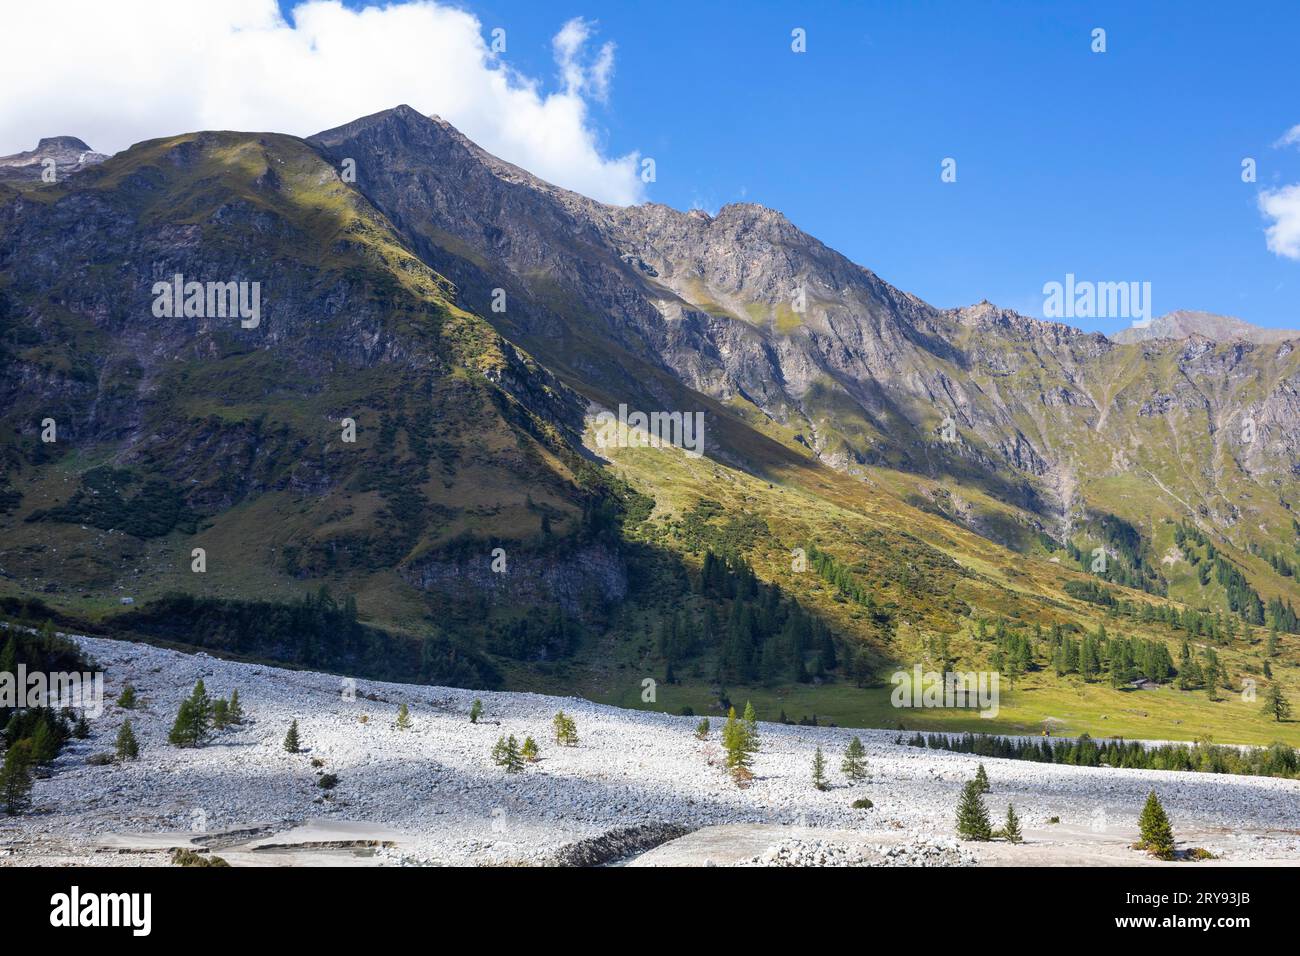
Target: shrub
[(187, 857)]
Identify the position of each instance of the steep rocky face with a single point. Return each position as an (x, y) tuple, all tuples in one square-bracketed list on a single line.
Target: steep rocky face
[(53, 156), (455, 428), (463, 313), (747, 309)]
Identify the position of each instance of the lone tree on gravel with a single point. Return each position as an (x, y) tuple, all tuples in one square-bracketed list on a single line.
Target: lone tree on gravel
[(291, 742), (1011, 830), (854, 765), (403, 717), (529, 750), (475, 711), (128, 748), (819, 770), (1156, 835), (982, 779), (972, 816)]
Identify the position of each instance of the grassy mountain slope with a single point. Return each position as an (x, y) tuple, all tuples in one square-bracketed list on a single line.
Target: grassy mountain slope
[(185, 433)]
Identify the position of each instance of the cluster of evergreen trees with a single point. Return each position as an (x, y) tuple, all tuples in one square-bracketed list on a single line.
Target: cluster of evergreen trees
[(317, 631), (1123, 659), (761, 635), (740, 740), (1277, 760), (33, 737), (199, 715), (973, 817), (1132, 569)]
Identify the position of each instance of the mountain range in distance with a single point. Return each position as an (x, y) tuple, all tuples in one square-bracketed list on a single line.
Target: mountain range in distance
[(884, 482)]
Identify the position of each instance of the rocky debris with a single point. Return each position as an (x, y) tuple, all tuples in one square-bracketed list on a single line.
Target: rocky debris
[(817, 852), (618, 844), (634, 779)]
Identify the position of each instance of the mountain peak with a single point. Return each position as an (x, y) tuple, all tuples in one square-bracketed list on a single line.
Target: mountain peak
[(1188, 323), (68, 154)]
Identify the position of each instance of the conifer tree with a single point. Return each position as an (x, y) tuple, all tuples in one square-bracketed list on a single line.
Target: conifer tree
[(181, 733), (566, 730), (854, 765), (193, 719), (982, 779), (220, 713), (202, 709), (81, 730), (819, 770), (1011, 831), (1275, 704), (734, 742), (505, 753), (751, 728), (529, 750), (972, 815), (45, 741), (126, 699), (1156, 835), (16, 778), (403, 717), (234, 712), (702, 729), (128, 748), (291, 742), (475, 711)]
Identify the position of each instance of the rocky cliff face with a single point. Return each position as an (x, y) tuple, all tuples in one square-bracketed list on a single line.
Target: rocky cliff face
[(463, 313), (747, 309)]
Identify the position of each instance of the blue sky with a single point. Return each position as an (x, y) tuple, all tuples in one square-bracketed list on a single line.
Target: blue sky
[(1115, 166), (1123, 166)]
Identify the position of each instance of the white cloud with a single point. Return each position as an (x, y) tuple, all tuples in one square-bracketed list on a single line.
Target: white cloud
[(1283, 207), (1290, 138), (118, 73), (568, 45)]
